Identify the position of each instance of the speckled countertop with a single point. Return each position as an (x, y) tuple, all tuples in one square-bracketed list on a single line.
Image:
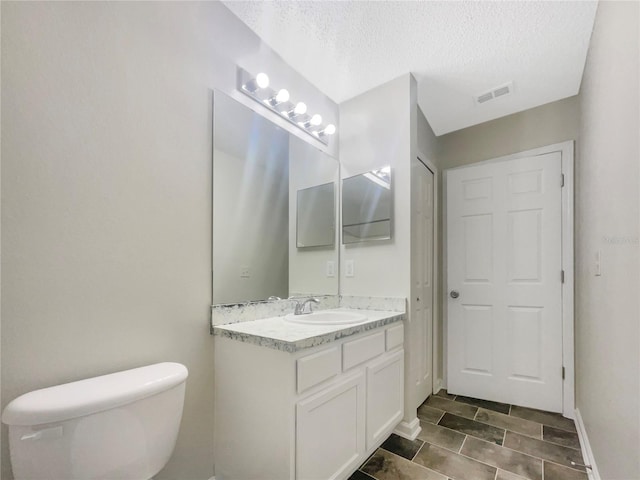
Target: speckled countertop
[(277, 333)]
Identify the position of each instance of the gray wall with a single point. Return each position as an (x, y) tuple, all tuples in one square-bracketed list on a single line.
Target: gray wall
[(106, 193), (607, 326), (545, 125)]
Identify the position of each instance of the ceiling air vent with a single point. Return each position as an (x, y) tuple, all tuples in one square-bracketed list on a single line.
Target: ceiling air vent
[(501, 91), (485, 97)]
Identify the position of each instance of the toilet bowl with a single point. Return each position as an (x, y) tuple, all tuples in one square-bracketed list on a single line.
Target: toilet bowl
[(118, 426)]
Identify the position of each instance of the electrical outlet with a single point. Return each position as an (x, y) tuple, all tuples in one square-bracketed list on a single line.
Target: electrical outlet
[(331, 269), (349, 268), (598, 262), (244, 272)]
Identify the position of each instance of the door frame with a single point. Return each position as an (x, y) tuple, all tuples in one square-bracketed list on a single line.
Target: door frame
[(436, 355), (566, 150)]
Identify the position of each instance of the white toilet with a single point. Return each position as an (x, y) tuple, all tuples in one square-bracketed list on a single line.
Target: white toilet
[(119, 426)]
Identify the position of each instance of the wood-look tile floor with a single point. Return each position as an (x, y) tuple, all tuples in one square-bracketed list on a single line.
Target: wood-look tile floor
[(468, 439)]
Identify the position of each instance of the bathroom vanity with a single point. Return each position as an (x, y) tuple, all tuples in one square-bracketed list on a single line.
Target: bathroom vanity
[(306, 401)]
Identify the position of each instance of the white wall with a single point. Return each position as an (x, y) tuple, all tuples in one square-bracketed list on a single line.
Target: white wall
[(607, 186), (106, 193), (375, 130), (382, 127)]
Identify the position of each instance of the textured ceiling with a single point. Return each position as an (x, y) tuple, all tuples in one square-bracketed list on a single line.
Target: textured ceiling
[(456, 50)]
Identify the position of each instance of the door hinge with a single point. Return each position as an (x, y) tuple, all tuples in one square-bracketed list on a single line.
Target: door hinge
[(563, 373), (562, 180), (562, 276)]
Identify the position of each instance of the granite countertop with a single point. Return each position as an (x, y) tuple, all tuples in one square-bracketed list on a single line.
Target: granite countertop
[(277, 333)]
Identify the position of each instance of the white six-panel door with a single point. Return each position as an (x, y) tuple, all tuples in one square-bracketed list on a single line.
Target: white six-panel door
[(504, 262)]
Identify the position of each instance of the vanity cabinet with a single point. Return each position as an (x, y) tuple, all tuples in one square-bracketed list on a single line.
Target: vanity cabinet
[(313, 414), (330, 428)]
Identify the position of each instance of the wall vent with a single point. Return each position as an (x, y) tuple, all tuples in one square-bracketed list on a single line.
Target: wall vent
[(496, 92)]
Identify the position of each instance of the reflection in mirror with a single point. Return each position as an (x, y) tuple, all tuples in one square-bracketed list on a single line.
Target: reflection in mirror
[(315, 223), (367, 206), (258, 169)]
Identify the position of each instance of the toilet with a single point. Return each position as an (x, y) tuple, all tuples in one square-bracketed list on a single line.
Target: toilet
[(118, 426)]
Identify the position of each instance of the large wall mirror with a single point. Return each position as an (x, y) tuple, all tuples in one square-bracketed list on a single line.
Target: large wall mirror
[(316, 216), (260, 173), (367, 206)]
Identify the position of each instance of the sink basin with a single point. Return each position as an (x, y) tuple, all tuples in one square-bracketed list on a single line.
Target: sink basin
[(327, 317)]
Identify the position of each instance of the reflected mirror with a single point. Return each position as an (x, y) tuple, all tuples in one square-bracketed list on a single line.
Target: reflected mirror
[(258, 170), (316, 218), (367, 206)]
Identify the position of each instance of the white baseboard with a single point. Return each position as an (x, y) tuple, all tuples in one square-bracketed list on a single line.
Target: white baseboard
[(587, 453), (408, 430)]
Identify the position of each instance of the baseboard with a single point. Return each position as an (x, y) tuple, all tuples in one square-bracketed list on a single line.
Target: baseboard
[(587, 453), (408, 430)]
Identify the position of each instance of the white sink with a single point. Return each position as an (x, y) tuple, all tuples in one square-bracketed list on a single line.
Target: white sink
[(327, 317)]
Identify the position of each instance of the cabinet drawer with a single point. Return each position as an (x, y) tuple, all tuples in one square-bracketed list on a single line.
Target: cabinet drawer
[(316, 368), (395, 337), (359, 351)]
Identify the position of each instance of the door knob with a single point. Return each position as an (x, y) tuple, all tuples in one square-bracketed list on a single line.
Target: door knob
[(454, 294)]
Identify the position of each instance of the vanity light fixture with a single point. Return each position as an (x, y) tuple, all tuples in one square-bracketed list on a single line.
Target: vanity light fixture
[(328, 130), (312, 122), (279, 102), (259, 83), (299, 110), (281, 97)]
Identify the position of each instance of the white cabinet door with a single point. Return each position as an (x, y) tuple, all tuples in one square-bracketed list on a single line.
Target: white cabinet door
[(385, 397), (330, 430), (504, 275)]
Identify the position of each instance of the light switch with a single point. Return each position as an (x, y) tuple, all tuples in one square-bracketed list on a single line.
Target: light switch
[(598, 271), (349, 268), (244, 272), (331, 268)]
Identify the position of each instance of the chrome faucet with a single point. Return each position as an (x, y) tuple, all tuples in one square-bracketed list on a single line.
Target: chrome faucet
[(304, 307)]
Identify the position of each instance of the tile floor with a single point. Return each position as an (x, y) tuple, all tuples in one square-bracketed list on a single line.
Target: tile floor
[(468, 439)]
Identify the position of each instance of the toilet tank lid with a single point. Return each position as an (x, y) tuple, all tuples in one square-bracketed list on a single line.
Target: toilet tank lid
[(92, 395)]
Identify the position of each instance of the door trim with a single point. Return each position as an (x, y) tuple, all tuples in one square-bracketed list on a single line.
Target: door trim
[(566, 150)]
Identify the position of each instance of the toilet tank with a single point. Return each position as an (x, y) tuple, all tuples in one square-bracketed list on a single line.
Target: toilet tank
[(118, 426)]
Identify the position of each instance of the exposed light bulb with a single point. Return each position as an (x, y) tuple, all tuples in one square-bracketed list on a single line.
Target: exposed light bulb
[(330, 129), (262, 79), (279, 98), (282, 96), (301, 108), (316, 120)]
